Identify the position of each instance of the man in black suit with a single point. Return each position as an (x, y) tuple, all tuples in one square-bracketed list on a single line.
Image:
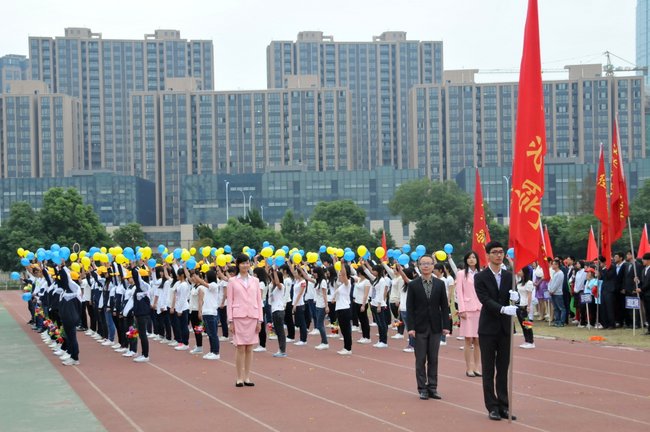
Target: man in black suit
[(644, 291), (613, 285), (493, 285), (427, 318)]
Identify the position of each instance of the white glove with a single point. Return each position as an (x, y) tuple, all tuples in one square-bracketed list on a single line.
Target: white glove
[(509, 310), (514, 296)]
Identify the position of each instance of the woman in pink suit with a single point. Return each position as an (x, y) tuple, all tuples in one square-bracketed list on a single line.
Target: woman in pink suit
[(244, 317), (469, 309)]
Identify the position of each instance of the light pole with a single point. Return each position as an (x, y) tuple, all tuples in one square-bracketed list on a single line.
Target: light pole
[(262, 210), (227, 184), (250, 197), (507, 179), (243, 197)]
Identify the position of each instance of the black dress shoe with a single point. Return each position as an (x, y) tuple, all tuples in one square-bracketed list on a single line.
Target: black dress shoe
[(249, 384), (504, 415), (424, 395), (239, 384), (434, 395), (494, 415)]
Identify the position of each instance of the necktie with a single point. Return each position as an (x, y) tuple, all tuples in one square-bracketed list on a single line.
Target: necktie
[(427, 288)]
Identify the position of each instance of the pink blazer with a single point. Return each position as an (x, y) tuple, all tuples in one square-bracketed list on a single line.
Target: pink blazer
[(465, 294), (244, 302)]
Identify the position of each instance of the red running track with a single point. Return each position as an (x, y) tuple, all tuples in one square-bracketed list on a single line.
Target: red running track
[(559, 386)]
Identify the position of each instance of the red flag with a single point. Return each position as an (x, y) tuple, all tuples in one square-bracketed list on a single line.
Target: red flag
[(530, 149), (601, 209), (643, 244), (547, 243), (618, 197), (480, 232), (592, 247), (541, 259), (383, 244)]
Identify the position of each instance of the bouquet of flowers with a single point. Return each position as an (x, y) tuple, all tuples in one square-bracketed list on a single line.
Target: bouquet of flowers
[(132, 334), (38, 312), (396, 324), (527, 325), (334, 328), (47, 323), (59, 335), (199, 329)]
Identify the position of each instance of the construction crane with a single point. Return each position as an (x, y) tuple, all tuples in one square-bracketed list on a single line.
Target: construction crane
[(610, 69)]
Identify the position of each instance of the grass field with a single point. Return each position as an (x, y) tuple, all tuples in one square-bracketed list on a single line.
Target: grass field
[(612, 337)]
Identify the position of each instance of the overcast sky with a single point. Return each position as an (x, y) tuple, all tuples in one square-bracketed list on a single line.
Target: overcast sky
[(477, 34)]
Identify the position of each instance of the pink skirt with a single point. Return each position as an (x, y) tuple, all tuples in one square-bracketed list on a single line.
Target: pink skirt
[(469, 325), (245, 333)]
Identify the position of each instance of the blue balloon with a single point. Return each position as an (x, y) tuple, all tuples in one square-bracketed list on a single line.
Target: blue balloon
[(347, 249), (93, 250), (40, 255), (161, 248), (390, 253), (406, 248), (252, 252), (110, 257), (448, 248), (285, 248), (272, 248), (151, 262), (302, 253), (164, 255), (48, 255), (177, 253), (403, 259), (15, 276), (137, 249), (64, 253), (55, 247), (322, 249), (367, 256), (269, 261), (191, 264), (265, 244), (511, 253), (279, 261), (128, 251), (24, 262), (348, 256), (421, 250), (138, 255), (319, 263), (30, 256), (415, 256), (27, 296), (227, 249), (213, 251)]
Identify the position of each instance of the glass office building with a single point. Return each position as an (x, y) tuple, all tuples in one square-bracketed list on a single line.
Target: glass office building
[(117, 199), (103, 72), (13, 67), (643, 36), (379, 75), (462, 124)]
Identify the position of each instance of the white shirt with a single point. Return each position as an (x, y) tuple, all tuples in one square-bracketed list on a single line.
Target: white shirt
[(579, 282), (211, 298), (311, 291), (524, 291), (299, 288), (194, 298), (318, 296), (277, 298), (342, 296), (359, 291), (379, 293), (182, 297), (288, 283)]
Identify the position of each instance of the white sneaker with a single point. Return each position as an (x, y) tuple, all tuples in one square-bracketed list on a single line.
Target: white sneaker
[(356, 329), (373, 324), (273, 337), (141, 359), (182, 347), (443, 343), (257, 349), (397, 336), (300, 343), (65, 357), (212, 356), (115, 346), (460, 338), (88, 332), (102, 340), (59, 352), (55, 346), (197, 350), (332, 335), (314, 332), (97, 336), (408, 350), (344, 352), (289, 340), (364, 341), (70, 362), (527, 346), (172, 343), (222, 339), (120, 350), (155, 337), (128, 354), (322, 346), (107, 343), (164, 341), (380, 345)]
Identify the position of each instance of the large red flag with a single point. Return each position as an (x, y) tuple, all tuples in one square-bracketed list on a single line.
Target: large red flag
[(547, 243), (480, 232), (530, 149), (601, 209), (592, 247), (618, 197), (542, 260), (643, 244), (383, 244)]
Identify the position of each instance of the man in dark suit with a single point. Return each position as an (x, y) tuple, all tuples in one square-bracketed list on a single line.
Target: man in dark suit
[(427, 318), (493, 285), (644, 291), (613, 285), (631, 282)]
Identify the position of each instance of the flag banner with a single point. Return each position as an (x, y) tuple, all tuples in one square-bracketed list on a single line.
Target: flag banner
[(643, 243), (618, 198), (480, 233), (592, 247)]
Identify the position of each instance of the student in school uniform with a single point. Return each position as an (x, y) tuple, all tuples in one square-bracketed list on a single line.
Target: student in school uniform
[(194, 309), (277, 299), (69, 311), (210, 299), (141, 309), (321, 307), (182, 309), (299, 290), (343, 313), (287, 276), (360, 296)]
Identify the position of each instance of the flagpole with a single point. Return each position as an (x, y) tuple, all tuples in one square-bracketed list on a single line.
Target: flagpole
[(638, 296), (512, 343)]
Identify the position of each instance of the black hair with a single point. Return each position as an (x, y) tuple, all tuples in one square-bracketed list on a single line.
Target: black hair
[(449, 269), (440, 267), (241, 258), (211, 276), (261, 274), (319, 272), (493, 245), (466, 257), (378, 268), (526, 275)]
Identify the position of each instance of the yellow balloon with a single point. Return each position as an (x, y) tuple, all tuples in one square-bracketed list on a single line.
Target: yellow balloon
[(380, 252), (441, 255), (339, 253), (97, 256), (229, 258), (205, 268), (75, 267), (118, 250), (312, 257), (169, 259), (280, 252), (245, 249), (220, 251), (337, 266), (103, 258), (221, 260), (206, 251), (83, 254), (192, 251), (266, 252), (20, 252), (185, 255), (103, 249), (296, 258), (73, 257), (85, 261), (362, 251)]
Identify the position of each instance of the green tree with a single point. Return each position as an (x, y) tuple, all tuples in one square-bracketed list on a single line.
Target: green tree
[(21, 230), (353, 236), (338, 214), (130, 235), (314, 235), (254, 219), (204, 231), (293, 228), (67, 220), (390, 241), (238, 235)]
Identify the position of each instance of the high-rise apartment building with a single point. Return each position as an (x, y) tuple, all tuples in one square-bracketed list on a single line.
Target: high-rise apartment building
[(12, 68), (378, 74), (103, 72), (183, 131), (462, 124), (40, 132), (643, 35)]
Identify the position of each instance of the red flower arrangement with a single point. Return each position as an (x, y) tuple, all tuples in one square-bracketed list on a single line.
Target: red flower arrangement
[(199, 329), (38, 312), (527, 325), (132, 334), (334, 328)]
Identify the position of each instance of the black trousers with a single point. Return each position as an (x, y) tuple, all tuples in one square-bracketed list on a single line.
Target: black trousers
[(608, 309), (195, 321), (427, 346), (495, 358), (82, 314), (278, 326), (395, 311), (102, 328), (223, 320), (164, 324), (345, 326), (288, 320), (522, 315), (72, 346), (364, 322), (142, 322)]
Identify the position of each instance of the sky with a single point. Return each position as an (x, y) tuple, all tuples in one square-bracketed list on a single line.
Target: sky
[(477, 34)]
